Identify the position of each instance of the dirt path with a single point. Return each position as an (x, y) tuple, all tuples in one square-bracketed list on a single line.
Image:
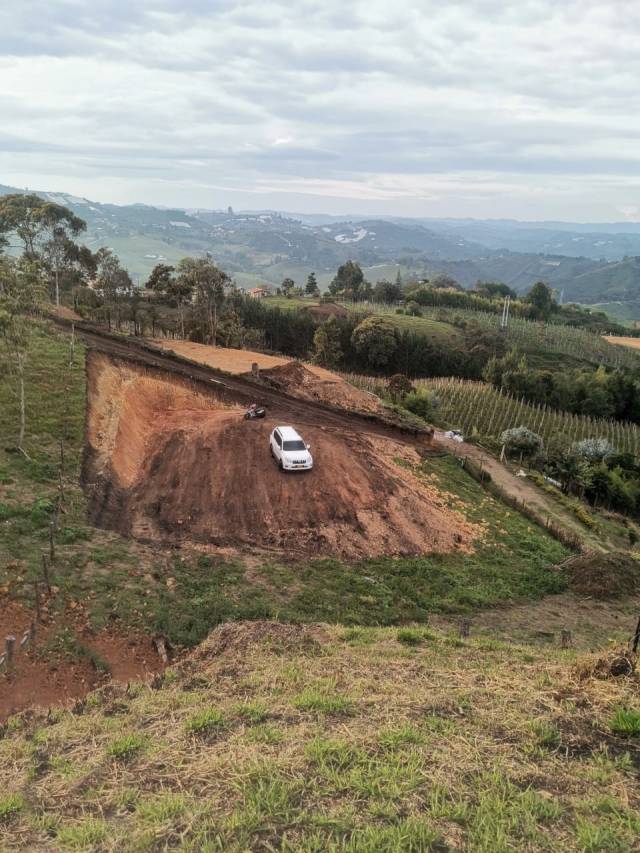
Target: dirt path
[(520, 489)]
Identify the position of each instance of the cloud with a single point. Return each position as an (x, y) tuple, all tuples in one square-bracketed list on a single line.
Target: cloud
[(473, 107)]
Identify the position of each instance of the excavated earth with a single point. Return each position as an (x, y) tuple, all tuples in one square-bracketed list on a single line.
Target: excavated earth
[(168, 459)]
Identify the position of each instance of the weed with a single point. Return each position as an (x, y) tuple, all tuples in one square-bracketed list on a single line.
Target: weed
[(626, 722), (252, 712), (322, 701), (10, 805), (405, 735), (331, 754), (164, 807), (205, 723), (85, 835), (594, 838), (127, 747)]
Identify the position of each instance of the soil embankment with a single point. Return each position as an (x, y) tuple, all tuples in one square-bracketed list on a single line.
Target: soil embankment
[(167, 459)]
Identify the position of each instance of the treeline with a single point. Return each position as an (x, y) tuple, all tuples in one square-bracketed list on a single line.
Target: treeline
[(599, 393)]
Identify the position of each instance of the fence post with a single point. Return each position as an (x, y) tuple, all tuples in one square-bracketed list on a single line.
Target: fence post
[(465, 628), (36, 592), (9, 648), (45, 573), (565, 639)]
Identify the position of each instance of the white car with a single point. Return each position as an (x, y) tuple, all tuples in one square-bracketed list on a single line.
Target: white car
[(455, 435), (289, 450)]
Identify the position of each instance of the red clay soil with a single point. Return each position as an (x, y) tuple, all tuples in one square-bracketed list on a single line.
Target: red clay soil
[(46, 681), (164, 461), (315, 383)]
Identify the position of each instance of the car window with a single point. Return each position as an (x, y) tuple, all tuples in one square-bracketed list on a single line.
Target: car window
[(278, 439), (298, 444)]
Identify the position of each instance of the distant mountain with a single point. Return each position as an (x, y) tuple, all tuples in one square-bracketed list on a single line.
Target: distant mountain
[(586, 263)]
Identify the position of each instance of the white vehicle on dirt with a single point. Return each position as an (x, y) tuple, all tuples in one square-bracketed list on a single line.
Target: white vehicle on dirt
[(289, 450)]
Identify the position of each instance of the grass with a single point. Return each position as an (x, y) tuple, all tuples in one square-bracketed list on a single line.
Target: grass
[(205, 723), (436, 752), (626, 722)]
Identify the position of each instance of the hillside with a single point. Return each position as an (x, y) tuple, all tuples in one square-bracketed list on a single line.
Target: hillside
[(307, 738), (259, 247)]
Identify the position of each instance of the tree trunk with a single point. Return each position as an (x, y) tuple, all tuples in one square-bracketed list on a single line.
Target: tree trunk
[(23, 417)]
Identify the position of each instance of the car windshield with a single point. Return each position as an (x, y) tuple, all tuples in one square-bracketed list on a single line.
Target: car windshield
[(294, 445)]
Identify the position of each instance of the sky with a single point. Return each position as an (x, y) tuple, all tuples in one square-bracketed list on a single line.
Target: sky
[(527, 109)]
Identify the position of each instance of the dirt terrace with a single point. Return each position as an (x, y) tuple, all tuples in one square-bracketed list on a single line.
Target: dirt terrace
[(169, 460), (306, 381)]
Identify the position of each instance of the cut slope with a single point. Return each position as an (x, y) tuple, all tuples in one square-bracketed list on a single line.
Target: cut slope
[(165, 460)]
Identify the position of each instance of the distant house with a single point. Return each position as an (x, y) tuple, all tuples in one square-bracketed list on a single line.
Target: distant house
[(258, 292)]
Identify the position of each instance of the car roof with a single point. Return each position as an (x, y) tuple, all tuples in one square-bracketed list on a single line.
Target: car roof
[(288, 433)]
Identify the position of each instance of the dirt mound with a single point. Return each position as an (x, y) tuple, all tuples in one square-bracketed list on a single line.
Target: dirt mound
[(238, 638), (603, 575), (618, 663), (164, 460), (315, 383)]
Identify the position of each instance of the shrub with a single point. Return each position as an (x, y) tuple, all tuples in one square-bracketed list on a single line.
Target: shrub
[(410, 636), (522, 440), (593, 449), (419, 403), (398, 387)]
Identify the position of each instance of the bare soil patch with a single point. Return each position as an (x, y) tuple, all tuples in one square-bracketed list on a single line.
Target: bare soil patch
[(167, 461), (42, 679), (634, 343)]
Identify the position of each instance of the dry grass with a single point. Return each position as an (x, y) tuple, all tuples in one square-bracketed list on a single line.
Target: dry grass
[(331, 739)]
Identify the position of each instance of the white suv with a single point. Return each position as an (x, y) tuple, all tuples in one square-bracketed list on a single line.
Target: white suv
[(289, 450)]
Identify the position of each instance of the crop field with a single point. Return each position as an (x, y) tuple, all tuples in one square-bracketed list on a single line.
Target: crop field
[(477, 407)]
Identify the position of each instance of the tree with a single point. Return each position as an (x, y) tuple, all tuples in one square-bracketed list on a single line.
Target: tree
[(311, 288), (350, 282), (495, 288), (398, 387), (376, 340), (178, 289), (541, 298), (287, 286), (443, 281), (33, 220), (387, 292), (326, 343), (207, 283), (21, 291), (113, 282), (522, 440)]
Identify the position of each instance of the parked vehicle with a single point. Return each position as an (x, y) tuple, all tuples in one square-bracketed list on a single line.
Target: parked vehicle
[(289, 450), (254, 411), (455, 435)]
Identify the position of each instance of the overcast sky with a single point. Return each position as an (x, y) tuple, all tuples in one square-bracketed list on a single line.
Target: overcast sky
[(485, 108)]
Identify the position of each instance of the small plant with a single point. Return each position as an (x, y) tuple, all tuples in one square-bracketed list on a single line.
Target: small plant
[(205, 723), (10, 805), (404, 735), (83, 836), (626, 722), (127, 747), (253, 712), (331, 754), (321, 701)]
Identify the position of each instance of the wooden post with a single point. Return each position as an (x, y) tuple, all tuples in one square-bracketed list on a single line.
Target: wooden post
[(73, 342), (636, 638), (36, 590), (45, 573), (52, 543), (9, 648), (565, 639), (61, 473), (465, 628)]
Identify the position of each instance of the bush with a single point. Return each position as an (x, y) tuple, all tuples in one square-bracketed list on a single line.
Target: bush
[(593, 449), (522, 440), (419, 403)]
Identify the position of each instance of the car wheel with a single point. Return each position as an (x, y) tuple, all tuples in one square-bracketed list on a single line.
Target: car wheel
[(280, 465)]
